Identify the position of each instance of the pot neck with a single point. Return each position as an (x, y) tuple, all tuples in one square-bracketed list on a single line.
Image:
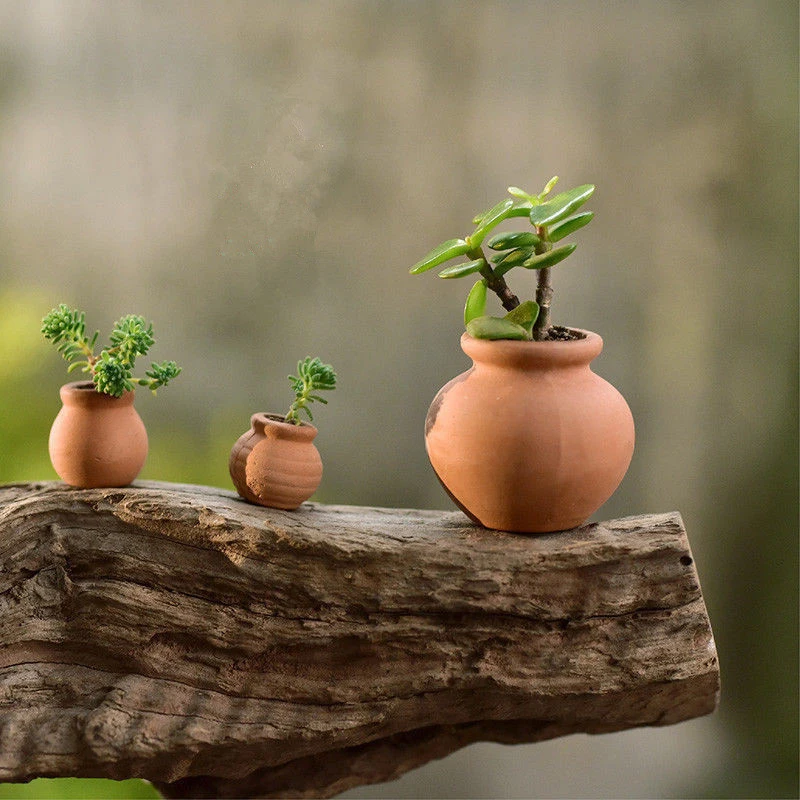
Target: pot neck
[(84, 395), (275, 426), (512, 354)]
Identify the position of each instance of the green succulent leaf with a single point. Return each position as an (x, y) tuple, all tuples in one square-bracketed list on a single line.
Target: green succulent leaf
[(65, 327), (511, 255), (524, 315), (521, 209), (63, 322), (160, 374), (112, 375), (461, 270), (493, 217), (548, 188), (496, 328), (505, 241), (550, 258), (476, 302), (132, 337), (570, 225), (452, 248), (84, 366), (511, 259), (520, 194), (560, 206)]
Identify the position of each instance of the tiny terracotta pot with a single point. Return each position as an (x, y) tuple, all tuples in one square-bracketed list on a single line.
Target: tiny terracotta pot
[(530, 439), (276, 463), (97, 440)]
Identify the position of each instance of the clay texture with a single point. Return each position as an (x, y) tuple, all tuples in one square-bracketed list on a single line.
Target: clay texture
[(97, 440), (530, 439), (276, 463)]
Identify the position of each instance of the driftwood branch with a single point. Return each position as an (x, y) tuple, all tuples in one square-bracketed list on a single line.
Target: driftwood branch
[(220, 649)]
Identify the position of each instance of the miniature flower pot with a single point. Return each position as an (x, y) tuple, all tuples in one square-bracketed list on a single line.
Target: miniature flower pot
[(276, 463), (96, 439), (530, 439)]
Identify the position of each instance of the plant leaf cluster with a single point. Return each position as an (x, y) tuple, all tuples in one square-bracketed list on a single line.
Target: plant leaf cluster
[(112, 369), (312, 377), (552, 219)]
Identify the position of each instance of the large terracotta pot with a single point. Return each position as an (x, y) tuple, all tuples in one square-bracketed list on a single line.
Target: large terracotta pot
[(530, 439), (96, 439), (276, 463)]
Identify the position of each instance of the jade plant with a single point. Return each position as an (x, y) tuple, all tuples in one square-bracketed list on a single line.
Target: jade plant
[(111, 370), (552, 219), (312, 377)]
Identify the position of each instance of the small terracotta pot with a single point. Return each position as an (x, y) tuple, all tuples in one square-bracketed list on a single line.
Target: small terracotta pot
[(96, 439), (276, 463), (530, 439)]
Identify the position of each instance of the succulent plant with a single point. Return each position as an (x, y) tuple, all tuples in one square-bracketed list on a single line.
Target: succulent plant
[(552, 219), (112, 369), (312, 377)]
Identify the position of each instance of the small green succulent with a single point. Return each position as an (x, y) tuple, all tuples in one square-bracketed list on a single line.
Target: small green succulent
[(312, 376), (112, 370), (552, 220)]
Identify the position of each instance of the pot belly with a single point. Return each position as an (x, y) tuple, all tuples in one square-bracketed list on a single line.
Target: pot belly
[(532, 460)]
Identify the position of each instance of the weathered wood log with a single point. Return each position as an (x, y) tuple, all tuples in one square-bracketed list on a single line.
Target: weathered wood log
[(220, 649)]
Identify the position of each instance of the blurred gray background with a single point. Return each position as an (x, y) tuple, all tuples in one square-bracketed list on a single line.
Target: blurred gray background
[(257, 177)]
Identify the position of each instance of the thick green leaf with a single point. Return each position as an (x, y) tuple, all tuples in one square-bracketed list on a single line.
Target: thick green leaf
[(444, 252), (505, 241), (568, 226), (460, 270), (495, 216), (496, 328), (549, 258), (513, 258), (476, 302), (525, 315), (561, 205), (521, 194), (520, 209), (548, 187)]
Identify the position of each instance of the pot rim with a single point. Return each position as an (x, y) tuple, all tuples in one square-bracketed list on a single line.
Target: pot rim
[(276, 425), (84, 393), (513, 352)]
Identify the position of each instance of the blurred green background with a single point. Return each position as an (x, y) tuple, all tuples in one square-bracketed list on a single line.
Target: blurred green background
[(257, 177)]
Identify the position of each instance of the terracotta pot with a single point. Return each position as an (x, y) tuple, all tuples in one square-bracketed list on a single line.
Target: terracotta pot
[(276, 463), (96, 439), (530, 439)]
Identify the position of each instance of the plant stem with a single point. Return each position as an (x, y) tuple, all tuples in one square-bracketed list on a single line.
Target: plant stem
[(301, 401), (544, 291), (497, 283), (544, 294)]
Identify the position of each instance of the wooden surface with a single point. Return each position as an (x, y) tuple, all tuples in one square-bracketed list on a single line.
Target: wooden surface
[(220, 649)]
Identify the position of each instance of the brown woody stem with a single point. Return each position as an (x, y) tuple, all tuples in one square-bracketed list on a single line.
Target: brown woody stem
[(544, 291), (544, 294), (497, 283)]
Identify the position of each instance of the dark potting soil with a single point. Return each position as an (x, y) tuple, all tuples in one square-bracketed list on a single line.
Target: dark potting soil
[(558, 333)]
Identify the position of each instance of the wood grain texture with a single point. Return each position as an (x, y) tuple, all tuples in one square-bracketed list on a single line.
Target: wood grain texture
[(220, 649)]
